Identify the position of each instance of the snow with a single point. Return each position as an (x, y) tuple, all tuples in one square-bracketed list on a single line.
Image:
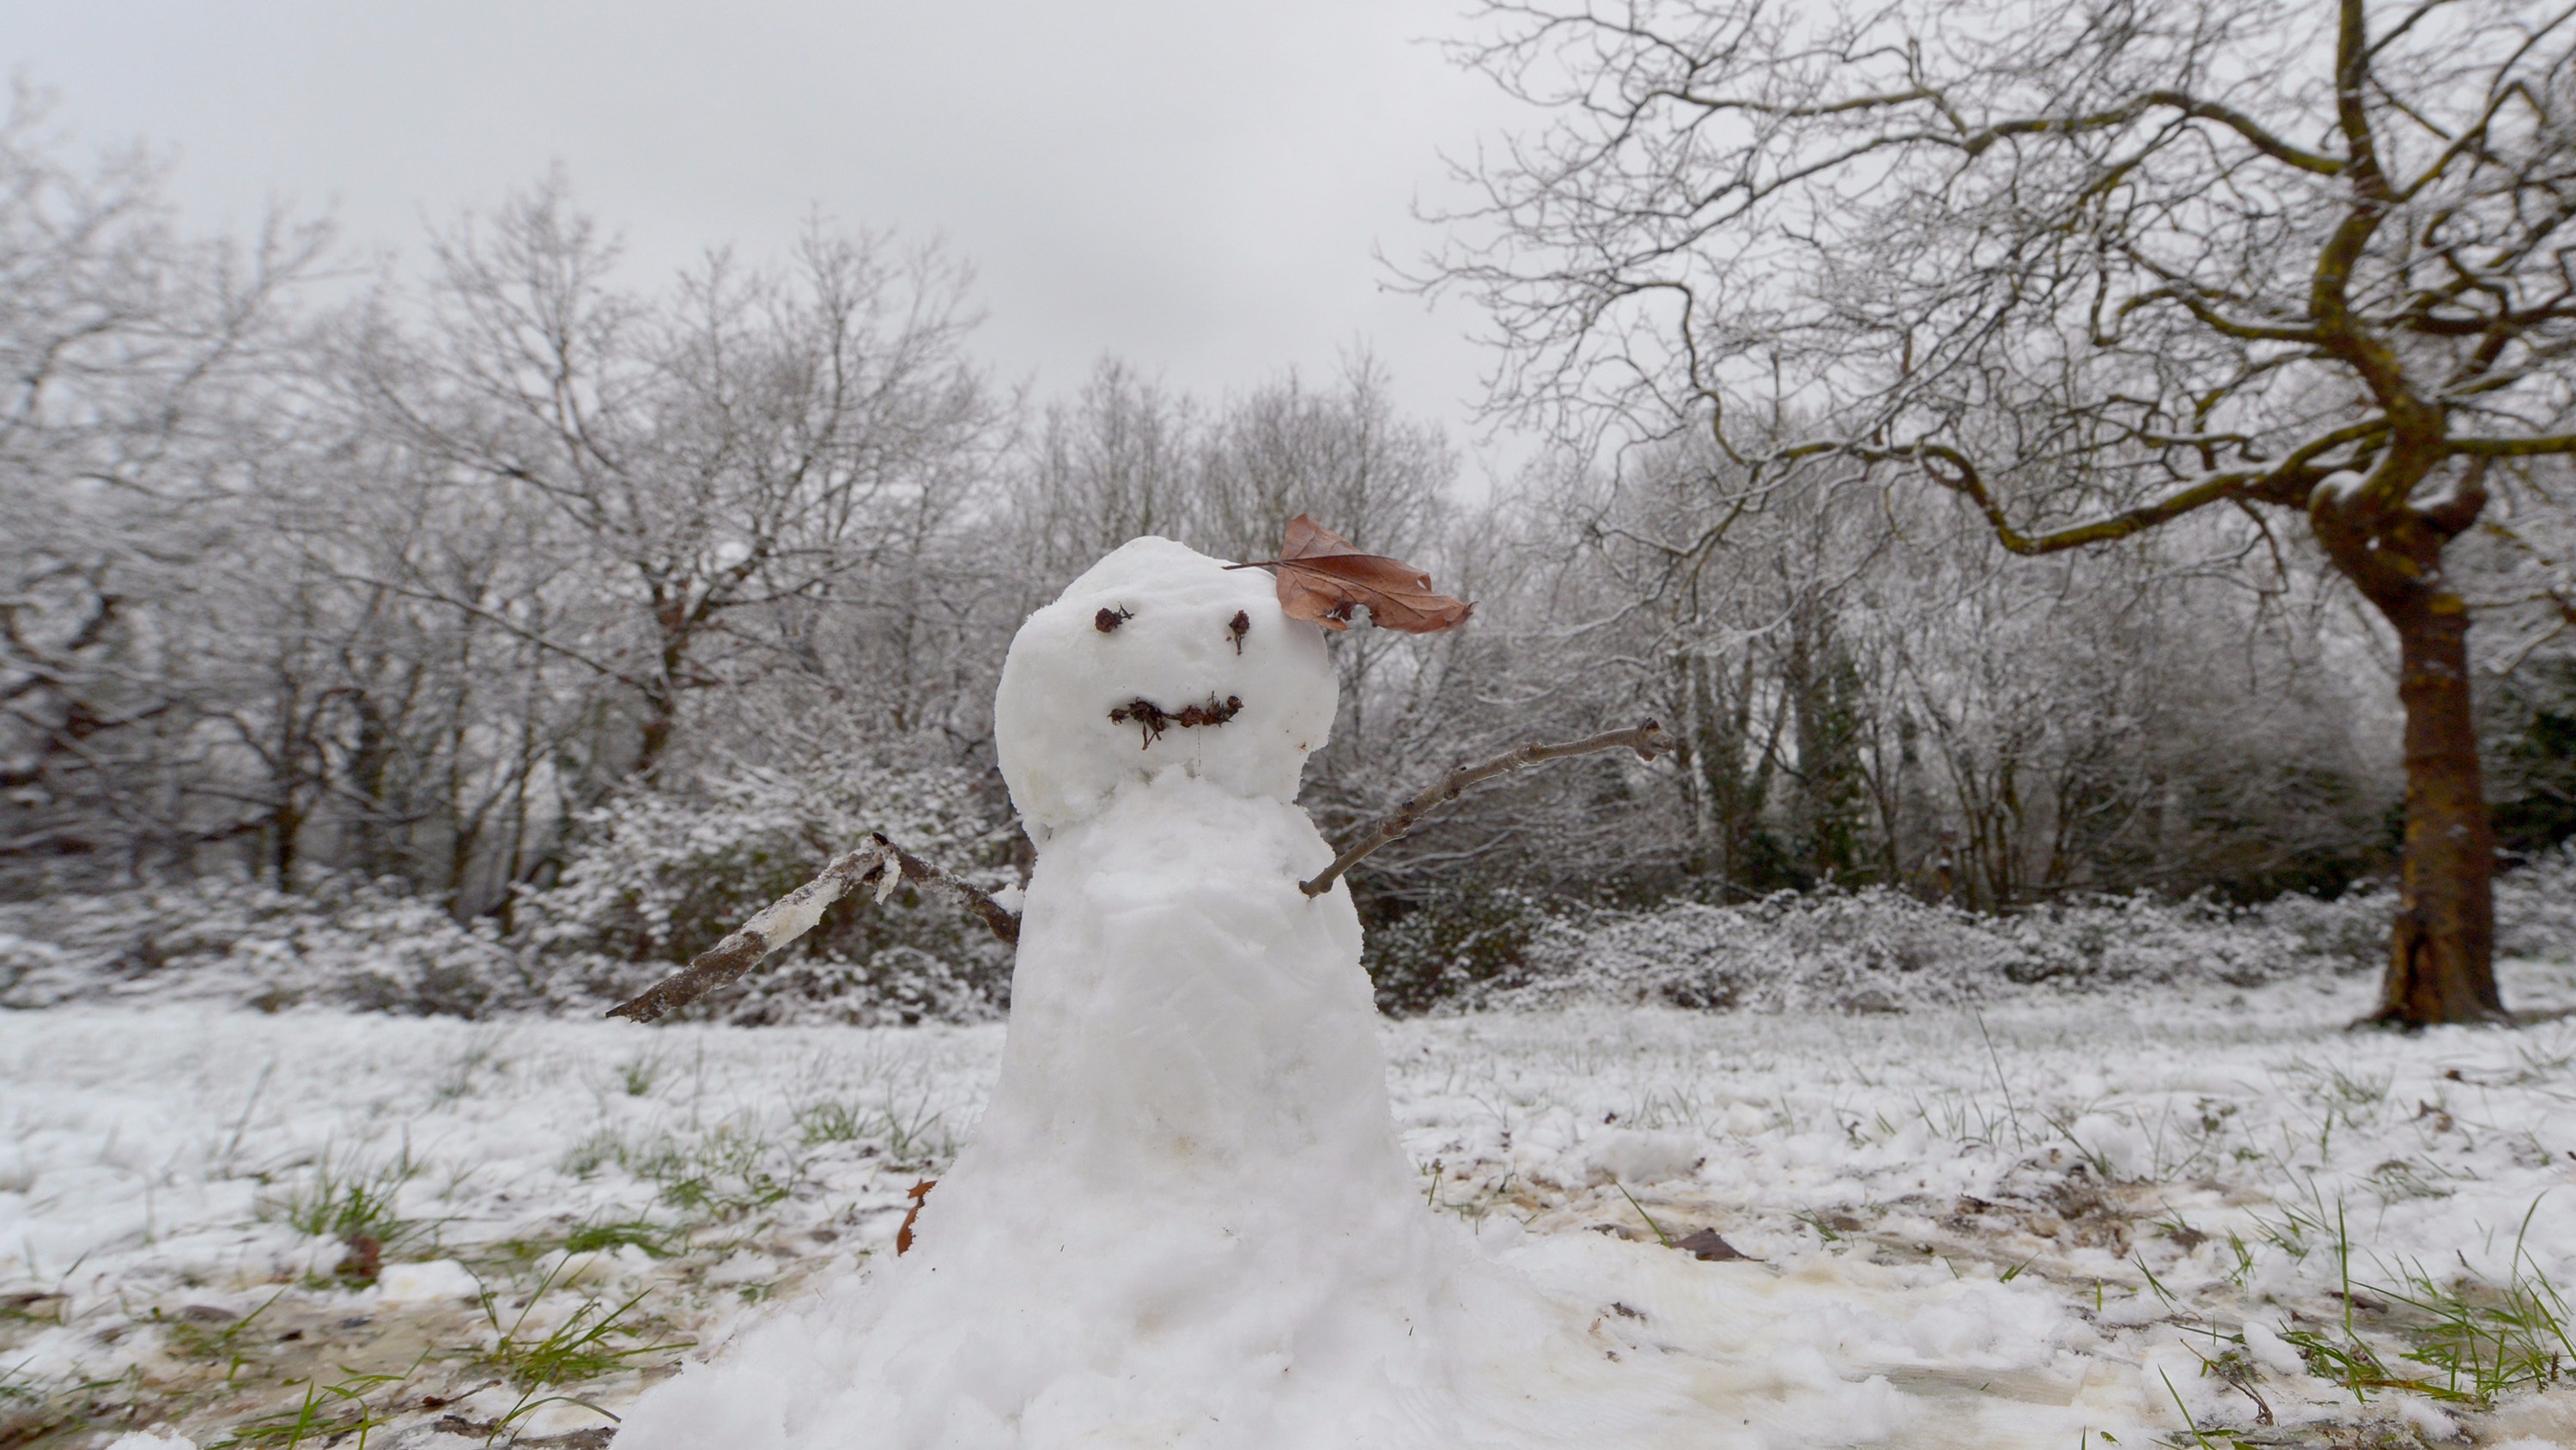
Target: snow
[(159, 1149), (1638, 1158), (2270, 1350), (2340, 487), (425, 1283), (794, 914)]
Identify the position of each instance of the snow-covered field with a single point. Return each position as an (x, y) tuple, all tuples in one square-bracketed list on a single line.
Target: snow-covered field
[(2115, 1218)]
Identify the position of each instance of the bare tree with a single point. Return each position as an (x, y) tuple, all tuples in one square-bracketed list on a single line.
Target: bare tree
[(2094, 266), (1340, 452), (140, 402), (1118, 460), (1867, 689), (747, 441)]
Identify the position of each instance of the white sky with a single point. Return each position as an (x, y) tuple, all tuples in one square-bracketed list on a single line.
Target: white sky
[(1195, 185)]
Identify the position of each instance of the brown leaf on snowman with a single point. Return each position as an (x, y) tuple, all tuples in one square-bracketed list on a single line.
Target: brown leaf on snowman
[(1325, 577)]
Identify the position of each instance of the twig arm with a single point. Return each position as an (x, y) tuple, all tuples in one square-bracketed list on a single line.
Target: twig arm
[(794, 914), (1000, 920), (1648, 740)]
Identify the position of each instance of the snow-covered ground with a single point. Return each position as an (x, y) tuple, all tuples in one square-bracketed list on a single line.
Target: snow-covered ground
[(2057, 1221)]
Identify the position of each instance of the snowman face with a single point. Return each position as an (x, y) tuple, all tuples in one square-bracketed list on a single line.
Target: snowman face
[(1159, 658)]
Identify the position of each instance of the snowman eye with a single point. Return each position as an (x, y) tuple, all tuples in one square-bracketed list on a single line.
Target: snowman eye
[(1108, 620)]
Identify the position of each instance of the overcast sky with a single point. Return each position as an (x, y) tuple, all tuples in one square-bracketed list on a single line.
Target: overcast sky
[(1195, 185)]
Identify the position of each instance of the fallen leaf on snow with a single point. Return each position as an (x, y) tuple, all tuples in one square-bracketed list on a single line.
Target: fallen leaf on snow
[(1706, 1245)]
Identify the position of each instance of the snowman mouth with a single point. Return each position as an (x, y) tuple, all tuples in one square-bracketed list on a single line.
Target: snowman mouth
[(1153, 719)]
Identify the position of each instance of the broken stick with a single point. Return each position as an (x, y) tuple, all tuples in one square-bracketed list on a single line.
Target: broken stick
[(793, 915), (1648, 740)]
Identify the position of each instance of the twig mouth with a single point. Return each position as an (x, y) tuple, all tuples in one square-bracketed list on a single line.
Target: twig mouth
[(1153, 719)]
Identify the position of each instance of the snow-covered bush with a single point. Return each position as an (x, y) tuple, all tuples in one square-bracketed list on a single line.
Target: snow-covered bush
[(1450, 944), (1873, 950), (2536, 908), (654, 879), (651, 884), (650, 881), (345, 943), (1881, 950)]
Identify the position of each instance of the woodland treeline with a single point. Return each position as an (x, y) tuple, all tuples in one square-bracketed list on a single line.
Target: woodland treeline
[(589, 602)]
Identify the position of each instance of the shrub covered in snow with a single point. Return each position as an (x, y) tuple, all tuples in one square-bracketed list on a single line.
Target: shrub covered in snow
[(345, 943), (1881, 950), (650, 881), (1450, 942), (649, 886), (2536, 908), (654, 879)]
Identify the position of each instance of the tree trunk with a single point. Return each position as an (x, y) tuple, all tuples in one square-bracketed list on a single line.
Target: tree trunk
[(2441, 958), (2441, 952), (285, 823), (661, 693)]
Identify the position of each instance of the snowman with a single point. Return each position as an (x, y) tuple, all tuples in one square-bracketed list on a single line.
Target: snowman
[(1184, 1218)]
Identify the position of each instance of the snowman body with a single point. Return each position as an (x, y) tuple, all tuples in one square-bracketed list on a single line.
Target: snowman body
[(1184, 1218), (1184, 1018)]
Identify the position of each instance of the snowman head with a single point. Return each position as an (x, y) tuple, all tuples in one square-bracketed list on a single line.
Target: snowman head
[(1159, 658)]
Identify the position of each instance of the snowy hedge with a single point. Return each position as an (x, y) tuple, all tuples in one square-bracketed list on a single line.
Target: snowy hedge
[(1881, 950), (653, 884), (346, 943), (650, 881)]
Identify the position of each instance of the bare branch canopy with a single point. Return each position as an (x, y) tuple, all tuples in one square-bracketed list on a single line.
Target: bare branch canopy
[(2091, 268)]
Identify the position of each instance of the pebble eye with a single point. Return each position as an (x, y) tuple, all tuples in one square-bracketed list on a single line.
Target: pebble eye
[(1108, 620), (1239, 626)]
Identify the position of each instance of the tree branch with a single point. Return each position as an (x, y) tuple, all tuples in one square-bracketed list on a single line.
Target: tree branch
[(1648, 740), (2514, 447), (2298, 470), (794, 914), (2254, 132), (1981, 139)]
